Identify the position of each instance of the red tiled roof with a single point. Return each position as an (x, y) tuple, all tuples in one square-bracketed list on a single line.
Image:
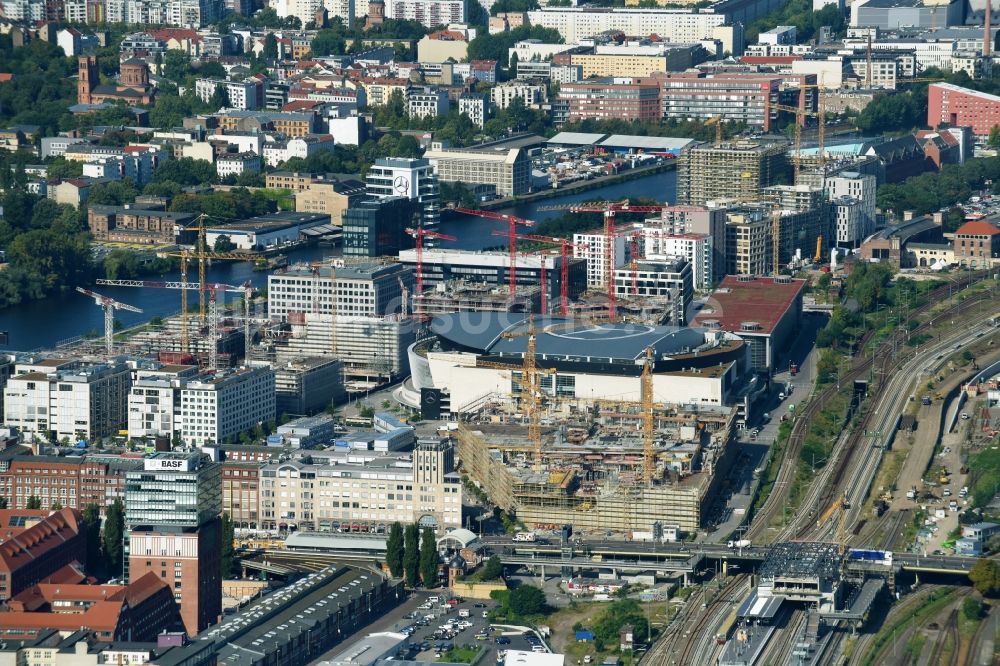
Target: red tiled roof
[(12, 521), (47, 535), (301, 105), (762, 300), (180, 34), (6, 76), (978, 228)]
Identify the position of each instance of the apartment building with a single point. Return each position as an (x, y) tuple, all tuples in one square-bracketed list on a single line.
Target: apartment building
[(508, 171), (71, 481), (854, 222), (172, 518), (475, 106), (620, 98), (429, 13), (242, 95), (154, 401), (237, 164), (367, 289), (427, 103), (296, 181), (125, 224), (241, 492), (365, 488), (684, 26), (736, 97), (697, 249), (948, 104), (218, 408), (533, 95), (406, 177), (593, 247), (289, 123), (735, 171), (61, 400), (748, 241)]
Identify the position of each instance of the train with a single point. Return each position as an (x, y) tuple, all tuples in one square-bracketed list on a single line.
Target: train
[(880, 557)]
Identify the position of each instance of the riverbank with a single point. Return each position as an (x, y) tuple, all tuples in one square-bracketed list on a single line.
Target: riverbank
[(580, 186)]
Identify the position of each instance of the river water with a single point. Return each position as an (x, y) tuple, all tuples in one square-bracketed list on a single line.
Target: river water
[(42, 324)]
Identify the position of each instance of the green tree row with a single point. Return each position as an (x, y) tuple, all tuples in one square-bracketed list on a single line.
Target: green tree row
[(412, 554)]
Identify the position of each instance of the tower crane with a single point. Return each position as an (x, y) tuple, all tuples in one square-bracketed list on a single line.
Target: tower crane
[(420, 234), (839, 506), (609, 209), (565, 245), (109, 305), (647, 417), (717, 121), (512, 224), (212, 289)]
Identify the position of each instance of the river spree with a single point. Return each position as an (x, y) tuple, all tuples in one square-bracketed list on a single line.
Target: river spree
[(42, 324)]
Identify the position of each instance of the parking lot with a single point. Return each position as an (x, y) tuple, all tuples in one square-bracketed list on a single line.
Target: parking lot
[(435, 627)]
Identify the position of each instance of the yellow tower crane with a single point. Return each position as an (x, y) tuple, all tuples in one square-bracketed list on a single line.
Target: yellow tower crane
[(717, 121), (840, 505)]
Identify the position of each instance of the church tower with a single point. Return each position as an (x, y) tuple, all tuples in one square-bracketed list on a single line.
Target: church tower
[(87, 79)]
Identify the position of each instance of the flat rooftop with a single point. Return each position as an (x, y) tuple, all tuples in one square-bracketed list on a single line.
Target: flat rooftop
[(741, 302)]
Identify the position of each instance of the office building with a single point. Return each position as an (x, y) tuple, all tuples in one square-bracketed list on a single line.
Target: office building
[(443, 265), (896, 14), (621, 98), (373, 490), (329, 198), (307, 432), (948, 104), (308, 385), (764, 311), (748, 241), (71, 481), (377, 228), (409, 178), (172, 517), (509, 171), (532, 94), (242, 95), (667, 283), (217, 408), (427, 102), (40, 551), (58, 400), (732, 171), (364, 289)]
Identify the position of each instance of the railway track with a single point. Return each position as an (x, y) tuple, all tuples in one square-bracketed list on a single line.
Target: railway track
[(856, 458)]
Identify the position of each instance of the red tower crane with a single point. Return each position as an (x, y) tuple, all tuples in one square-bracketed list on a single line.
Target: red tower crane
[(511, 234), (609, 209), (565, 245), (420, 234)]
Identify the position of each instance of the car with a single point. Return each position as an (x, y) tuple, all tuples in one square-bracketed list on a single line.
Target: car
[(501, 640), (965, 416), (537, 648), (480, 606), (486, 614), (482, 636), (587, 659), (425, 645)]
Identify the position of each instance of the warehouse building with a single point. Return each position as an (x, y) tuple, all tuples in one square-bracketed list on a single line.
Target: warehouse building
[(267, 231)]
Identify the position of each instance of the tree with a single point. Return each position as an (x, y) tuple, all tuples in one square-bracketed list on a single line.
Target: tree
[(411, 555), (985, 577), (220, 97), (493, 569), (994, 138), (394, 550), (3, 502), (227, 545), (527, 600), (176, 65), (270, 47), (972, 608), (114, 530), (92, 525), (428, 558), (34, 503), (56, 506), (224, 244)]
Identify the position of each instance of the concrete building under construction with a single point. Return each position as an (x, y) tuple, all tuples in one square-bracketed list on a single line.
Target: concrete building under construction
[(734, 170), (464, 296), (592, 476)]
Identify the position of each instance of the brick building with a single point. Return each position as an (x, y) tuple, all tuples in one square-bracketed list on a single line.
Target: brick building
[(72, 481), (619, 98), (948, 104), (977, 244), (40, 551), (123, 224)]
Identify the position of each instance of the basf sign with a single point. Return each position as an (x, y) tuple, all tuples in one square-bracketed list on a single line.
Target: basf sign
[(168, 464)]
